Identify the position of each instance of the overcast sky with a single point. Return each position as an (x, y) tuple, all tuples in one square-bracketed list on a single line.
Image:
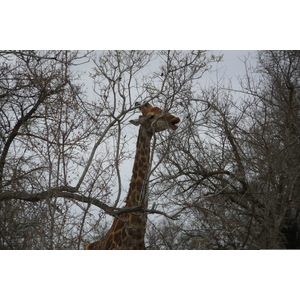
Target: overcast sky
[(231, 68)]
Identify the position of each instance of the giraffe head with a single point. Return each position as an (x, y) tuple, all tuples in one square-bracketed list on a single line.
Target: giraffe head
[(154, 119)]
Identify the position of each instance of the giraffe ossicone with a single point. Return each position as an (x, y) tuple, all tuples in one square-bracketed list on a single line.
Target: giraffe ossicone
[(128, 230)]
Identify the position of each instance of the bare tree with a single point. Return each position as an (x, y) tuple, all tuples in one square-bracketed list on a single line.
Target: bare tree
[(43, 128), (277, 131), (233, 173), (62, 148)]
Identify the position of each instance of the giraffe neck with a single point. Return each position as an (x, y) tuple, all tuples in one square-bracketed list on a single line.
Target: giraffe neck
[(129, 231), (138, 184)]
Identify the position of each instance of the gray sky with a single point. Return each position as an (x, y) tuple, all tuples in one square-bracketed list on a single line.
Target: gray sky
[(230, 68)]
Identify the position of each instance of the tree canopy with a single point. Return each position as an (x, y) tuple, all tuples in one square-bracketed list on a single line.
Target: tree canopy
[(228, 178)]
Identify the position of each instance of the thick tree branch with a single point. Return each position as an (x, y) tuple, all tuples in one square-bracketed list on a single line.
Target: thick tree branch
[(69, 192)]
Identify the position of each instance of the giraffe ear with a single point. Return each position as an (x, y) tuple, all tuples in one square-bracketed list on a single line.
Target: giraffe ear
[(141, 120), (136, 122)]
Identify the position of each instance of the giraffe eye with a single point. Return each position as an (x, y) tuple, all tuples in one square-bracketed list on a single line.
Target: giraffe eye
[(151, 117)]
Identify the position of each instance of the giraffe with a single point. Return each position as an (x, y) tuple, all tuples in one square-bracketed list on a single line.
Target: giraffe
[(128, 229)]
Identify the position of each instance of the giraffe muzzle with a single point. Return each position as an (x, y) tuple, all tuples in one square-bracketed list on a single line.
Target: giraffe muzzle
[(174, 122)]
